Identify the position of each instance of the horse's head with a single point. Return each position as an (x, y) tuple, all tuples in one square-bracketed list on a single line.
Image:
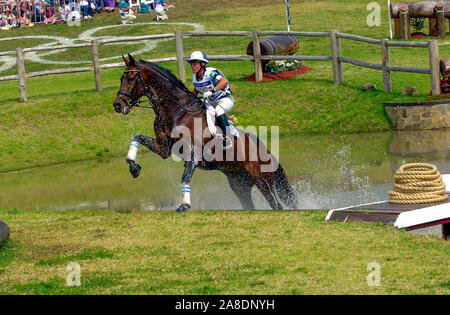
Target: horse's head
[(131, 87)]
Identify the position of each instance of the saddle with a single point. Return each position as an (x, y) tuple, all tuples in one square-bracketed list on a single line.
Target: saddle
[(211, 119)]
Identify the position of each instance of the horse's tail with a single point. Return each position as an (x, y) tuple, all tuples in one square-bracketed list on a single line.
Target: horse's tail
[(284, 189)]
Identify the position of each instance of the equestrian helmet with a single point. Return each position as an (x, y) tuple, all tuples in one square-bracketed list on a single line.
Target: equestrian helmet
[(197, 56)]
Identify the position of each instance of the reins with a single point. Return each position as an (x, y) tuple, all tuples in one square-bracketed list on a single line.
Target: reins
[(151, 98)]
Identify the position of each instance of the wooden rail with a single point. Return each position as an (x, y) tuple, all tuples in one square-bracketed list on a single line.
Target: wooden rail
[(335, 48), (433, 52)]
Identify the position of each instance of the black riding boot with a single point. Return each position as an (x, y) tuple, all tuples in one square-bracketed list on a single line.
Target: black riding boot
[(223, 123)]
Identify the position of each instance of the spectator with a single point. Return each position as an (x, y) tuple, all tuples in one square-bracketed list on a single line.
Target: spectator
[(85, 9), (144, 8), (50, 2), (24, 12), (74, 5), (38, 11), (109, 5), (14, 9), (9, 20), (163, 4), (160, 9), (2, 20), (126, 13), (124, 7), (64, 10), (49, 14), (100, 5), (94, 7)]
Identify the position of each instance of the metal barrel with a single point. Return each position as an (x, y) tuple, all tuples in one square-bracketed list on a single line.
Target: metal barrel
[(445, 68), (275, 45), (420, 9)]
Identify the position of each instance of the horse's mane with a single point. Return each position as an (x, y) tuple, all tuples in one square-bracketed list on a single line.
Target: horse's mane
[(167, 75)]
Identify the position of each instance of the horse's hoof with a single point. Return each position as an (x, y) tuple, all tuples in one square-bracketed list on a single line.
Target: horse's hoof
[(183, 208), (135, 169)]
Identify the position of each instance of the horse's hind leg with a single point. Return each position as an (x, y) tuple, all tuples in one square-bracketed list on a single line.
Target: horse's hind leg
[(242, 185), (267, 189)]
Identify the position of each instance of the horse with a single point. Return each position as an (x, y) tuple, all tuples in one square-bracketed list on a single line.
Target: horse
[(177, 107)]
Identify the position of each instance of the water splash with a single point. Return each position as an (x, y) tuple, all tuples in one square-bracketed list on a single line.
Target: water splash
[(338, 187)]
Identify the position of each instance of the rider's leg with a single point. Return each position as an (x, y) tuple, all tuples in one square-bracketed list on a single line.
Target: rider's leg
[(223, 106), (223, 123)]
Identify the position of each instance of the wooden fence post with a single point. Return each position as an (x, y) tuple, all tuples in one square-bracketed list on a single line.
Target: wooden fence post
[(257, 56), (387, 83), (96, 63), (180, 55), (22, 75), (433, 51), (404, 22), (335, 43), (439, 8)]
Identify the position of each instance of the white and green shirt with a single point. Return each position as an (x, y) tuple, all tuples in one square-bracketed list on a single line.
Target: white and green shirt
[(211, 77)]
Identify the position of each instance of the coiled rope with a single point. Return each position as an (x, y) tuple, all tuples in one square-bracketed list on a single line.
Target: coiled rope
[(418, 183)]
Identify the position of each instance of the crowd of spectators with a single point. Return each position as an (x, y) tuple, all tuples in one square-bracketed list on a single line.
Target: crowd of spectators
[(25, 13), (129, 10)]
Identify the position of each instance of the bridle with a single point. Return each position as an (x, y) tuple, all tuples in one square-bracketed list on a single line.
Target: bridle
[(152, 99), (133, 100)]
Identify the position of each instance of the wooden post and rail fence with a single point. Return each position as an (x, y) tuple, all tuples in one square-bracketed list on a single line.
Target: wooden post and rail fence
[(335, 44)]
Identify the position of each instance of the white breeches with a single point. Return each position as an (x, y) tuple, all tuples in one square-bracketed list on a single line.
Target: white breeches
[(224, 105)]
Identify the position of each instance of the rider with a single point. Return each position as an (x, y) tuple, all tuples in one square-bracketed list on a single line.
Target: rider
[(213, 85)]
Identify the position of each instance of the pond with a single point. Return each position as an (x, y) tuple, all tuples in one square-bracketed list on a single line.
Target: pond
[(328, 171)]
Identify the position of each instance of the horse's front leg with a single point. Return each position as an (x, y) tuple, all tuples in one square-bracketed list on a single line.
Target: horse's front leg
[(152, 144), (189, 168)]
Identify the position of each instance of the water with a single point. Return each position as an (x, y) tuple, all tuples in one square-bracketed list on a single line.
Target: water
[(327, 171)]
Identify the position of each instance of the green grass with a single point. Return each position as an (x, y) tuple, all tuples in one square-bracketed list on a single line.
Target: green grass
[(65, 119), (208, 252)]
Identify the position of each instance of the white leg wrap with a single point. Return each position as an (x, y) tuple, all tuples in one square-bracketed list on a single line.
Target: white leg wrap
[(186, 194), (132, 151)]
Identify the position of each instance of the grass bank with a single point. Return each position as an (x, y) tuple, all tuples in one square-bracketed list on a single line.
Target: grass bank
[(65, 119), (214, 253)]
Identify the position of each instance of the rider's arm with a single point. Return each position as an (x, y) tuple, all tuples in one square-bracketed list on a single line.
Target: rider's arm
[(195, 92), (221, 84), (221, 80)]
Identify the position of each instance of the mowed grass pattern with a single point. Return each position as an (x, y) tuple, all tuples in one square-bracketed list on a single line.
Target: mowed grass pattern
[(209, 252)]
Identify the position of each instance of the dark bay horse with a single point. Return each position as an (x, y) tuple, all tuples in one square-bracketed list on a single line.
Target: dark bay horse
[(247, 164)]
